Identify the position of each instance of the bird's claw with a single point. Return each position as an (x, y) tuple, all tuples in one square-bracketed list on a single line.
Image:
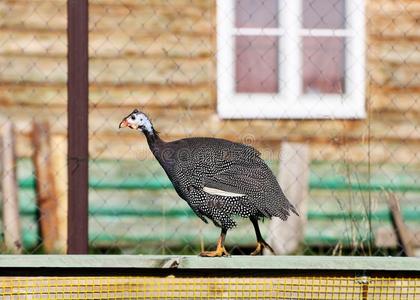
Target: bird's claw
[(260, 248), (220, 251)]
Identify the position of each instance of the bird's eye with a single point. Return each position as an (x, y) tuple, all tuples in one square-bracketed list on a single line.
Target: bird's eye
[(133, 117)]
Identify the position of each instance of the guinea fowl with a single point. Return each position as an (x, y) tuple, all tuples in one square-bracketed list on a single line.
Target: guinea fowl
[(218, 179)]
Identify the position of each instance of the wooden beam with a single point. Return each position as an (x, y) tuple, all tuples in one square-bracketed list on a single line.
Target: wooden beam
[(59, 168), (78, 89), (11, 222), (401, 231), (286, 236), (46, 196), (132, 262)]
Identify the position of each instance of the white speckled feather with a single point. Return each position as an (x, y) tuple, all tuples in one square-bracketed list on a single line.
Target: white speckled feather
[(213, 191)]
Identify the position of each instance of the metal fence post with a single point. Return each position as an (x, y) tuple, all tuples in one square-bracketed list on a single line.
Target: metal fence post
[(77, 88)]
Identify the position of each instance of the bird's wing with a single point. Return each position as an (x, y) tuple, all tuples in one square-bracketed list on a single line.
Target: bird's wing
[(239, 179)]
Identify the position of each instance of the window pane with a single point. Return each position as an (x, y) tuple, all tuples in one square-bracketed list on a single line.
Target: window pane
[(256, 13), (256, 64), (323, 65), (324, 14)]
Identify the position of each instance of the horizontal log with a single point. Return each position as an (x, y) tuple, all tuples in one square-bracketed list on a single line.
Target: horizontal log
[(204, 122), (161, 44), (135, 147), (117, 71), (390, 75), (29, 42), (163, 18), (163, 96), (33, 14), (106, 138), (177, 122), (391, 7), (108, 44), (402, 101), (44, 15), (174, 3), (401, 23), (395, 52)]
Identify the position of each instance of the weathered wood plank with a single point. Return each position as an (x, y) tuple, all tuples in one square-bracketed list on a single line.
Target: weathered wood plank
[(393, 18), (391, 7), (332, 140), (103, 95), (392, 75), (184, 123), (401, 52), (10, 202), (59, 169), (135, 147), (108, 44), (196, 262), (162, 18), (286, 236), (403, 235), (174, 3), (17, 42), (116, 71), (404, 102), (45, 186), (160, 44), (42, 15), (147, 70), (33, 14)]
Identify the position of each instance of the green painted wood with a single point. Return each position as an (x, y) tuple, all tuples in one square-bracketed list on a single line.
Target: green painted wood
[(383, 215), (124, 196), (402, 184), (149, 234), (192, 262), (131, 174), (28, 208)]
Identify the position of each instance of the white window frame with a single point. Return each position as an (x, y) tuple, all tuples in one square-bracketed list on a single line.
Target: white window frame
[(290, 103)]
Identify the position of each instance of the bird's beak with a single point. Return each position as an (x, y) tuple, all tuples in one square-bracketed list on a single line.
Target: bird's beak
[(123, 124)]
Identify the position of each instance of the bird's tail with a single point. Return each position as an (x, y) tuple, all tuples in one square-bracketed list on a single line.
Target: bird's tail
[(293, 209)]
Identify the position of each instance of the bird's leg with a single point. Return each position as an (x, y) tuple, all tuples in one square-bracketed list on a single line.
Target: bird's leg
[(220, 250), (261, 244)]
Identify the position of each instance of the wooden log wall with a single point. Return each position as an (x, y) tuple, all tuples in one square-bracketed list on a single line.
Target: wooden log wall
[(160, 56)]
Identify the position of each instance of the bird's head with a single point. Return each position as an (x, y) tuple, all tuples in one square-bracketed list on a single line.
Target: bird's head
[(137, 120)]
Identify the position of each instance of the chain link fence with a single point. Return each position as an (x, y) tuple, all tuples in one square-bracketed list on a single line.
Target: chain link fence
[(327, 91)]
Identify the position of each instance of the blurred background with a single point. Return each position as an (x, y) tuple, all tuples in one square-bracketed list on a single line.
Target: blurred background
[(328, 91)]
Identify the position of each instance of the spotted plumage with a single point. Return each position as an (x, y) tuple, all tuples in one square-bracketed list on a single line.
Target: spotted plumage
[(218, 179)]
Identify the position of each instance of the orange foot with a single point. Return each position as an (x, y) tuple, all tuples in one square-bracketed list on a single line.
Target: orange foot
[(220, 251), (260, 247)]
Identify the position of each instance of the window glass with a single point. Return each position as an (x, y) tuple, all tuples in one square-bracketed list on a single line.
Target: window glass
[(256, 64), (323, 14), (323, 65), (256, 13)]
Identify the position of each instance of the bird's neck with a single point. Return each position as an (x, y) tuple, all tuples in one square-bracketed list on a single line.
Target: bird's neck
[(153, 139)]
